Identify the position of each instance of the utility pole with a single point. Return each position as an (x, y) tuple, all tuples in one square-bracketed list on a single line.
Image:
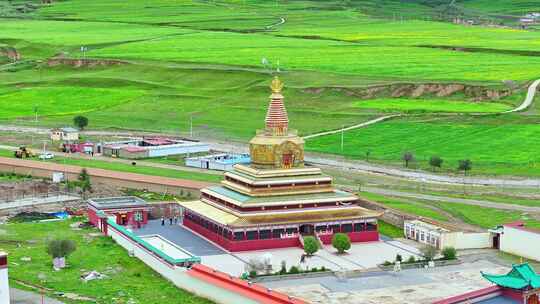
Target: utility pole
[(342, 136), (191, 125)]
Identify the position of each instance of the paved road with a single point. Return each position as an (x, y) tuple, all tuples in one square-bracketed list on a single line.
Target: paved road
[(360, 125), (124, 161), (529, 99), (26, 297), (446, 199)]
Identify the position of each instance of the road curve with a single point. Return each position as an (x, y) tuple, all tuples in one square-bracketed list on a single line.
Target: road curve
[(529, 99), (360, 125)]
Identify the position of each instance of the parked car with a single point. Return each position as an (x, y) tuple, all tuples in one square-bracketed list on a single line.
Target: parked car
[(46, 155)]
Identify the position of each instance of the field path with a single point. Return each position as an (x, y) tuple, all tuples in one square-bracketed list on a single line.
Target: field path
[(360, 125), (446, 199), (529, 99)]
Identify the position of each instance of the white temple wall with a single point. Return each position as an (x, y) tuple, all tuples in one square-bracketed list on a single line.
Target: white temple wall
[(521, 243)]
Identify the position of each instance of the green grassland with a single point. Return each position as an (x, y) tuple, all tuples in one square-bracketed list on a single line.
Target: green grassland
[(492, 146), (127, 278), (428, 105), (405, 206), (203, 60)]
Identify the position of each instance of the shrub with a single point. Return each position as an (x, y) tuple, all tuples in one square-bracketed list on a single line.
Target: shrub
[(341, 242), (323, 268), (294, 270), (253, 274), (411, 259), (429, 252), (283, 269), (387, 263), (310, 245), (61, 248), (399, 258), (449, 253)]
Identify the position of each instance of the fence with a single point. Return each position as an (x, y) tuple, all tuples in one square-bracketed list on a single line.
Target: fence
[(12, 195)]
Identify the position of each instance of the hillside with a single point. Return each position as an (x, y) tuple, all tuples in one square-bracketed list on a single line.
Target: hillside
[(155, 65)]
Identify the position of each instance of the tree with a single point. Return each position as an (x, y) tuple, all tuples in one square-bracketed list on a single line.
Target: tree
[(59, 250), (84, 181), (341, 242), (449, 253), (310, 245), (435, 162), (407, 158), (429, 252), (465, 165), (80, 121)]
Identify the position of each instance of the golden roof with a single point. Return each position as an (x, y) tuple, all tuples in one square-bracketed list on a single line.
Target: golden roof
[(276, 85), (277, 218)]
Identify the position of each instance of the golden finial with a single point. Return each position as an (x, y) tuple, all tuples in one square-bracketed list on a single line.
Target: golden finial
[(276, 85)]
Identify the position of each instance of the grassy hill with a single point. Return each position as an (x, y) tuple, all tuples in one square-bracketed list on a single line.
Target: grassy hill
[(155, 65)]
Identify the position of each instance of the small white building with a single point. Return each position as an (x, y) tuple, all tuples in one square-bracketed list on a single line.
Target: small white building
[(516, 239), (147, 147), (4, 279), (441, 235), (65, 134), (222, 162)]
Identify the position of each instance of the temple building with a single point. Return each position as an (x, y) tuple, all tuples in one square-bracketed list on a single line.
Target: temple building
[(275, 200), (519, 286)]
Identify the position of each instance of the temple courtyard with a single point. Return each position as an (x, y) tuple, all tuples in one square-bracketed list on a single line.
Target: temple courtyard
[(360, 257), (405, 287)]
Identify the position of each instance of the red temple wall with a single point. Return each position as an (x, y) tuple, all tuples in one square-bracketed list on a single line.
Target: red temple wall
[(364, 236), (514, 294), (92, 217)]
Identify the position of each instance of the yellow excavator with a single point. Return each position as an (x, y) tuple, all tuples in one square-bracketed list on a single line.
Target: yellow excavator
[(24, 152)]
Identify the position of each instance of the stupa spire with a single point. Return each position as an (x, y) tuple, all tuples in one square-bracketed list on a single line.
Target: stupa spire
[(277, 121)]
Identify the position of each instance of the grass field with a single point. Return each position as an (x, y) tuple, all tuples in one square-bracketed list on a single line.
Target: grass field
[(203, 60), (492, 146), (127, 278), (427, 105), (486, 217), (405, 206)]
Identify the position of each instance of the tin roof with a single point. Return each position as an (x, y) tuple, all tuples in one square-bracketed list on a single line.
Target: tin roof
[(117, 202)]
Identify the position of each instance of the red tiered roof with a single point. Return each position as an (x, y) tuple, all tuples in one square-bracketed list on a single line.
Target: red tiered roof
[(276, 117), (277, 120)]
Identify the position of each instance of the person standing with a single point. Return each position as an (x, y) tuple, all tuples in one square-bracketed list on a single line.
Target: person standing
[(170, 220), (162, 221)]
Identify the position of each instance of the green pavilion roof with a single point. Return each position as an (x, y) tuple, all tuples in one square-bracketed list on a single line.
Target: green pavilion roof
[(521, 276)]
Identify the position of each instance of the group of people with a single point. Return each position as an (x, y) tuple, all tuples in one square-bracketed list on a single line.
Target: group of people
[(171, 220)]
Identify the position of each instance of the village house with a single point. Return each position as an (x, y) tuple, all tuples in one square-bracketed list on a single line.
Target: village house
[(148, 147), (66, 134), (222, 161), (441, 235)]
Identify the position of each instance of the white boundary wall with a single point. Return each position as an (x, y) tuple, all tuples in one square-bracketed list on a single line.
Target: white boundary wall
[(177, 275), (520, 242), (4, 282)]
